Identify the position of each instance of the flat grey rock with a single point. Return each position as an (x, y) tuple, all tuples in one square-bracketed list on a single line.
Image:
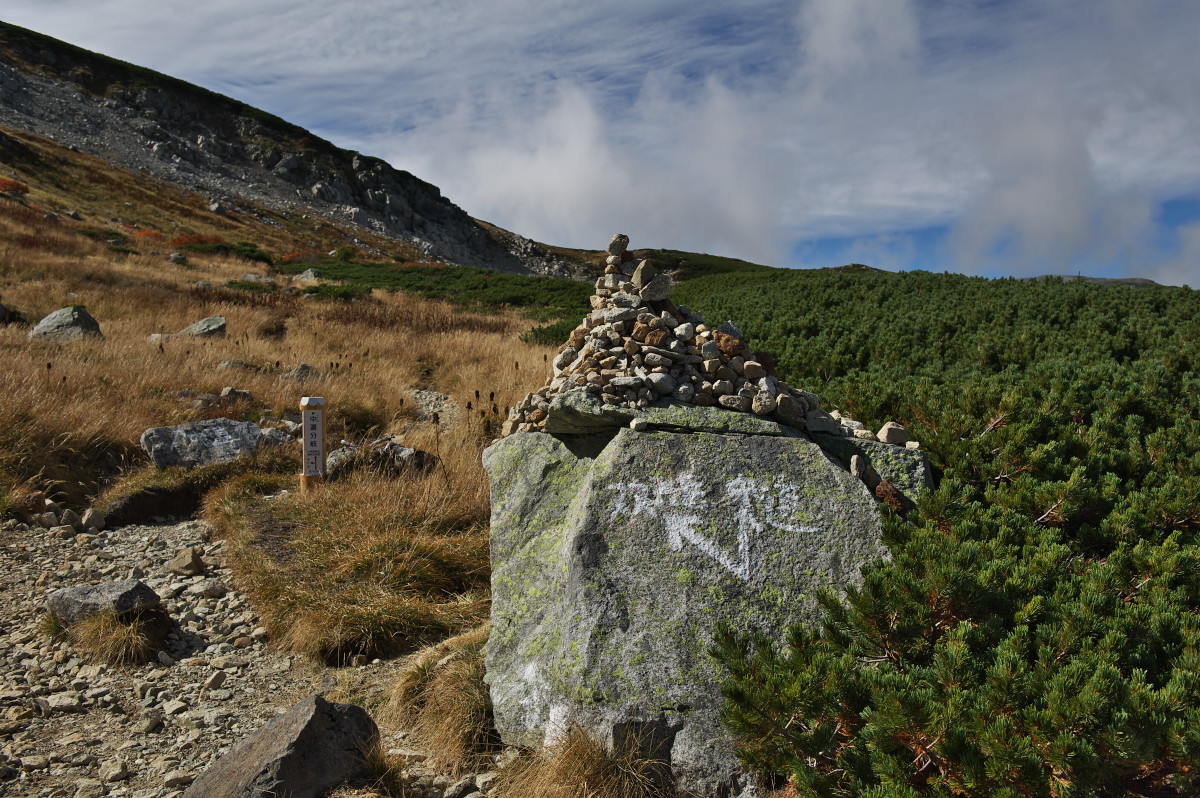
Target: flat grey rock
[(581, 413), (211, 327), (199, 443)]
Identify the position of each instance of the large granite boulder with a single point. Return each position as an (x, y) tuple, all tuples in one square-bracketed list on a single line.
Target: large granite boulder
[(200, 443), (304, 753), (615, 553), (72, 323)]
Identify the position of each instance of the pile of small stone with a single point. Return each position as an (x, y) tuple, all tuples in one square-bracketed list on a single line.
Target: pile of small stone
[(636, 348)]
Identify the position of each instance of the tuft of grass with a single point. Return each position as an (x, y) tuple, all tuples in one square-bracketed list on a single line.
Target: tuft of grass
[(442, 700), (580, 766), (120, 640), (51, 627), (386, 772), (370, 564), (180, 491)]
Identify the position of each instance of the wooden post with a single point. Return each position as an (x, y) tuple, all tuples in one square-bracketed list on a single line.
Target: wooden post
[(312, 413)]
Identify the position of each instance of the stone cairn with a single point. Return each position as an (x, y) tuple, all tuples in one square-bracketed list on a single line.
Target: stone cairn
[(636, 347)]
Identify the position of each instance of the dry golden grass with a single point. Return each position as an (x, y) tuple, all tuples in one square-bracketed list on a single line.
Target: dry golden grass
[(580, 766), (369, 563), (78, 410), (120, 640), (442, 700)]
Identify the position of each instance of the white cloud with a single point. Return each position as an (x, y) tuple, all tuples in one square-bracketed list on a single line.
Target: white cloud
[(741, 130), (1184, 268), (849, 38)]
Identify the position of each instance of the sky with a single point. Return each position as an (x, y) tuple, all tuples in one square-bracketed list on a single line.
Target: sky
[(990, 137)]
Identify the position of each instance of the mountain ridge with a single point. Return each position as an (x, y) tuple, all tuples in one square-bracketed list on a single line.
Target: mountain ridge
[(233, 154)]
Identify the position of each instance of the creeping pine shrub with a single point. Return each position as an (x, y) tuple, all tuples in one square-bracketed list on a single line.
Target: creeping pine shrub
[(1037, 629)]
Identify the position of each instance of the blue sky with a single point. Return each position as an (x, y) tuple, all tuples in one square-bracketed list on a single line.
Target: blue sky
[(1008, 137)]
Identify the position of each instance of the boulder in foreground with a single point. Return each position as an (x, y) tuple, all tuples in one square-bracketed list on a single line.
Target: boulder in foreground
[(304, 753), (614, 556)]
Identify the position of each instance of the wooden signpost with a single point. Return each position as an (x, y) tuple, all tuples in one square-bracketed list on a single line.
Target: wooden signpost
[(312, 412)]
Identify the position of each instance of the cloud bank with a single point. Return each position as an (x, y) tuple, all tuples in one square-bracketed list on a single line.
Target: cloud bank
[(1034, 137)]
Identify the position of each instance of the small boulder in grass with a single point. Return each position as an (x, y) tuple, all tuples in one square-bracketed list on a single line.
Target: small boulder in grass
[(72, 323), (211, 327)]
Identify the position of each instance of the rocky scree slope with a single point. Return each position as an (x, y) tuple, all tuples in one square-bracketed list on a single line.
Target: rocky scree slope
[(144, 121)]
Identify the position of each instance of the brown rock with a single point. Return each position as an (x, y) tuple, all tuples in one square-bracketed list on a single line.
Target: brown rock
[(657, 338), (753, 370), (887, 493), (187, 562), (730, 346), (640, 331)]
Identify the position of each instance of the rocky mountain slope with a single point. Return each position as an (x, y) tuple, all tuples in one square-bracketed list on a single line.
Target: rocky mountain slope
[(232, 153)]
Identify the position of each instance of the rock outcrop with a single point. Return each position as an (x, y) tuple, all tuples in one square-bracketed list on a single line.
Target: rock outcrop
[(636, 505), (613, 560), (72, 323)]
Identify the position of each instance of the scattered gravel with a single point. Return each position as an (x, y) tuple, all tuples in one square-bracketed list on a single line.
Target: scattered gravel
[(70, 728)]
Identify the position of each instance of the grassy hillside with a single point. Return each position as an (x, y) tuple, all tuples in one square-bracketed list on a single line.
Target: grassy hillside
[(417, 570)]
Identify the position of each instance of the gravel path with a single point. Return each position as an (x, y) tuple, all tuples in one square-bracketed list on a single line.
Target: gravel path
[(73, 729)]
